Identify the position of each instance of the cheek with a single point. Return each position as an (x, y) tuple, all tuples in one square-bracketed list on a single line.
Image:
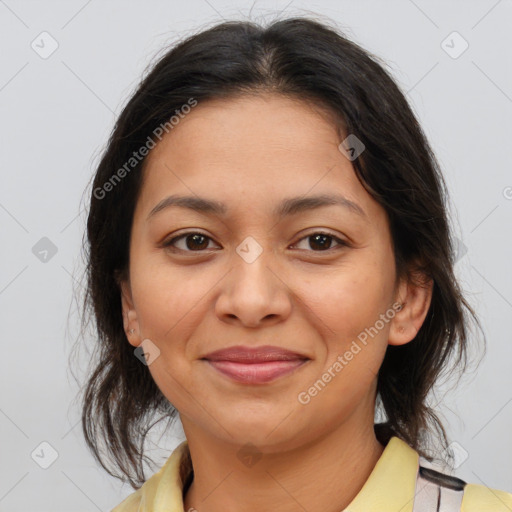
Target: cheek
[(168, 301), (350, 299)]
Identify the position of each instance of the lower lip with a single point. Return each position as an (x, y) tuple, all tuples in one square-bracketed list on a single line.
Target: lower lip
[(256, 373)]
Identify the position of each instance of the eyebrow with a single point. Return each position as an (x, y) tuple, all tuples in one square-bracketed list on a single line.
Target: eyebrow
[(287, 207)]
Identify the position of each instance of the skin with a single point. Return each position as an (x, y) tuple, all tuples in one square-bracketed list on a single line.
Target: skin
[(250, 153)]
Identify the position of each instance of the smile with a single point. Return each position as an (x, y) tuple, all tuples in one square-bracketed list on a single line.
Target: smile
[(258, 372)]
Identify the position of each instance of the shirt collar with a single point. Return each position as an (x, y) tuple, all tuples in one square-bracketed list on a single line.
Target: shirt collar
[(392, 483), (389, 488)]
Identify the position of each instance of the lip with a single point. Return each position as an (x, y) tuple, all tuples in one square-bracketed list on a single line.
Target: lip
[(256, 373), (266, 353), (255, 365)]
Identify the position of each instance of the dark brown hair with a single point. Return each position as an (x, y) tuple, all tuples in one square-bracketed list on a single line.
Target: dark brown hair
[(303, 59)]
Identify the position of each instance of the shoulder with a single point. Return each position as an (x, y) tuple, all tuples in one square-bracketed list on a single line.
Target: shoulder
[(163, 490), (456, 494), (479, 498), (142, 499), (130, 504)]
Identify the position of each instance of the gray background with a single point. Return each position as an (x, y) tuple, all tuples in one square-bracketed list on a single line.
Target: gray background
[(56, 115)]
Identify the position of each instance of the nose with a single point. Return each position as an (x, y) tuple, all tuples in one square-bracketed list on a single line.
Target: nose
[(254, 293)]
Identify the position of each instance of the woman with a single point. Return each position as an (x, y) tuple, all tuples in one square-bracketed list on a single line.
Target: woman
[(269, 258)]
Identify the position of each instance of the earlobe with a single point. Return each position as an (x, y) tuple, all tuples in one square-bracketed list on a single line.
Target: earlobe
[(416, 298), (130, 321)]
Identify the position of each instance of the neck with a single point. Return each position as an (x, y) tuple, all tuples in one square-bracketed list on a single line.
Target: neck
[(324, 475)]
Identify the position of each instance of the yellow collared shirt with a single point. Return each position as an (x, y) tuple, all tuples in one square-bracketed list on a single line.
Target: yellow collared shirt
[(390, 487)]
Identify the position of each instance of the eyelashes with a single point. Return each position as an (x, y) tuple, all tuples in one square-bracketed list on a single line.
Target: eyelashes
[(322, 236), (197, 237), (199, 242)]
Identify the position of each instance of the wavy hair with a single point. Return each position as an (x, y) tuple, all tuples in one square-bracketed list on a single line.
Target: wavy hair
[(304, 59)]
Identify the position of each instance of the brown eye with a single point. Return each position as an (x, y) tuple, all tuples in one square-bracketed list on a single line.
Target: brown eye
[(322, 241), (194, 242)]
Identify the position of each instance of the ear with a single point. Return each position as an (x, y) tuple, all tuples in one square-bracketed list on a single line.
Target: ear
[(415, 295), (130, 321)]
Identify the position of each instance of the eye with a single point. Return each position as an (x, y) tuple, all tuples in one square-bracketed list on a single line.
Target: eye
[(198, 242), (194, 242), (321, 241)]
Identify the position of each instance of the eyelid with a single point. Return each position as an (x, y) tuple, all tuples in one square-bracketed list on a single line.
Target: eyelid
[(168, 243), (337, 239)]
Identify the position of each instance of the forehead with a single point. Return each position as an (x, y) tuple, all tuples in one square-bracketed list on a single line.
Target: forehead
[(259, 148)]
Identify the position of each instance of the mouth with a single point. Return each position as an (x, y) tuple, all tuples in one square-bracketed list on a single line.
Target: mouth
[(255, 365)]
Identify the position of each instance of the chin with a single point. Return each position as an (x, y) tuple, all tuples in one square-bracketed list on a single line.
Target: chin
[(267, 435)]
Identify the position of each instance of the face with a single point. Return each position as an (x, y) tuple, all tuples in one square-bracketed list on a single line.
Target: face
[(271, 266)]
